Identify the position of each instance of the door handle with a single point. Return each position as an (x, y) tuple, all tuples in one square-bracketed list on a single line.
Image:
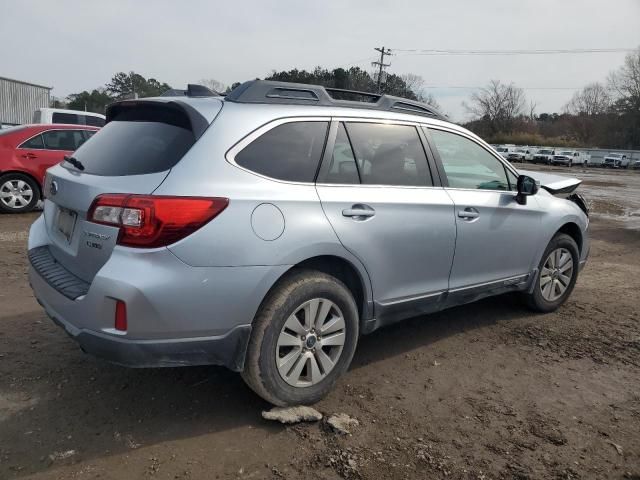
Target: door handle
[(29, 155), (359, 211), (469, 213)]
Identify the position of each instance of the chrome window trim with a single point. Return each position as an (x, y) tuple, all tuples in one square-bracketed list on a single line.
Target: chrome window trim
[(230, 156), (20, 147), (482, 145)]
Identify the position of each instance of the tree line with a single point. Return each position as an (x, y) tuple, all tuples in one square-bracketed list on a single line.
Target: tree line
[(600, 114), (604, 115)]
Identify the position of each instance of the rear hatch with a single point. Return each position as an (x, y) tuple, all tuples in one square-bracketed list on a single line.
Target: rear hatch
[(132, 154)]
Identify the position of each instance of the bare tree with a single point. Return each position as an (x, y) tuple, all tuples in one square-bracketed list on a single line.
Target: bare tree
[(625, 82), (213, 84), (498, 104), (594, 99), (416, 84), (532, 110)]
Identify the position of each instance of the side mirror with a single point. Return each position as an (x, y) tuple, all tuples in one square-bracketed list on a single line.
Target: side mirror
[(526, 186)]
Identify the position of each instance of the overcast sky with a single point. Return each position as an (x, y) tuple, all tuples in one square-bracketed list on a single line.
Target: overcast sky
[(78, 45)]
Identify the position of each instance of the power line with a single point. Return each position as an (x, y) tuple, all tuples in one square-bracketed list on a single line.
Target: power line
[(568, 51), (381, 65), (471, 87)]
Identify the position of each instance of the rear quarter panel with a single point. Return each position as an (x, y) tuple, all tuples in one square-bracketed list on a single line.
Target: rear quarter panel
[(232, 239)]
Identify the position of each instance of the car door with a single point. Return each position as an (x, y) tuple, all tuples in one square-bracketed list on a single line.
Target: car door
[(30, 153), (58, 144), (376, 189), (496, 237)]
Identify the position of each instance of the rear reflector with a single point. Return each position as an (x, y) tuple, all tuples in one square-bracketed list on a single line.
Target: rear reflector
[(149, 221), (121, 316)]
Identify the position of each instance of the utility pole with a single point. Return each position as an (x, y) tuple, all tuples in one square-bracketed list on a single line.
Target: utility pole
[(381, 65)]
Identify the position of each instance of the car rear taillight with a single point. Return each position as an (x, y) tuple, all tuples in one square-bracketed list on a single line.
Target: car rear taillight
[(148, 221)]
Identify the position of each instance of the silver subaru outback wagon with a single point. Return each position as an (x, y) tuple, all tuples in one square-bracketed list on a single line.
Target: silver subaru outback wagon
[(267, 230)]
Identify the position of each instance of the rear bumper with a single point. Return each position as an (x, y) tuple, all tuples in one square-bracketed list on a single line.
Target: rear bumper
[(177, 314), (227, 349)]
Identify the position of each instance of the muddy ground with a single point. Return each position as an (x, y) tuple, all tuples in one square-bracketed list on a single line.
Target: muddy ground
[(483, 391)]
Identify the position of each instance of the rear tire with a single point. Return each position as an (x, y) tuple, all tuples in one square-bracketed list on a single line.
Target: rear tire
[(18, 193), (557, 275), (284, 329)]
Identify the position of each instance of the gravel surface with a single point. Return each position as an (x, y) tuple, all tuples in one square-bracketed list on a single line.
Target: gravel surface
[(484, 391)]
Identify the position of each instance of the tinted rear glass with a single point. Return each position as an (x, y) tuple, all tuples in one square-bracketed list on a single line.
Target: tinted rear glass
[(288, 152), (134, 148)]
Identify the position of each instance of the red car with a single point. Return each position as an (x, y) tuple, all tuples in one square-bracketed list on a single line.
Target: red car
[(25, 154)]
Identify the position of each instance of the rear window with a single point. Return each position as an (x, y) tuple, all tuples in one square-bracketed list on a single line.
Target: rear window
[(134, 148), (59, 117), (288, 152)]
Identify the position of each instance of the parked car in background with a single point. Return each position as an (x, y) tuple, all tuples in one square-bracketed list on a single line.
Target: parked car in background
[(71, 117), (25, 154), (570, 158), (520, 154), (635, 164), (616, 160), (544, 155), (272, 210), (504, 150)]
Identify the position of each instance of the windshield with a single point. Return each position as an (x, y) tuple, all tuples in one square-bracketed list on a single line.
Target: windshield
[(545, 152), (566, 153), (615, 155), (502, 149)]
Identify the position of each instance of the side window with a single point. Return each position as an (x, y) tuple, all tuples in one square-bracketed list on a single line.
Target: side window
[(288, 152), (389, 154), (89, 133), (94, 121), (343, 168), (61, 117), (467, 164), (61, 139), (34, 143), (78, 138), (513, 180)]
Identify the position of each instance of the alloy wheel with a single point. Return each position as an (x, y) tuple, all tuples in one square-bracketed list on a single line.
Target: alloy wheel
[(16, 194), (310, 343), (556, 274)]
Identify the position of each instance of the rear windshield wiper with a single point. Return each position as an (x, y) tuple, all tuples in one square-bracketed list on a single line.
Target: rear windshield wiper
[(74, 161)]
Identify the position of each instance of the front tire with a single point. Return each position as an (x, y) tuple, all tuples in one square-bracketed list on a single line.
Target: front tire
[(18, 193), (557, 275), (303, 339)]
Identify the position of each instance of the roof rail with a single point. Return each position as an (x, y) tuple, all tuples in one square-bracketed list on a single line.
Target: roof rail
[(270, 92)]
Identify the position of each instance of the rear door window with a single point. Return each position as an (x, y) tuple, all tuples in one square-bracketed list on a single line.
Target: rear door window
[(289, 152), (389, 154), (68, 140), (342, 167), (34, 143)]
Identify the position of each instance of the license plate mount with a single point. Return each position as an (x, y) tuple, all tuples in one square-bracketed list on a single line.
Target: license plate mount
[(66, 223)]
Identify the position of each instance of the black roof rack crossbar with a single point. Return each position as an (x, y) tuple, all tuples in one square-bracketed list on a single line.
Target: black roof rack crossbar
[(265, 91)]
